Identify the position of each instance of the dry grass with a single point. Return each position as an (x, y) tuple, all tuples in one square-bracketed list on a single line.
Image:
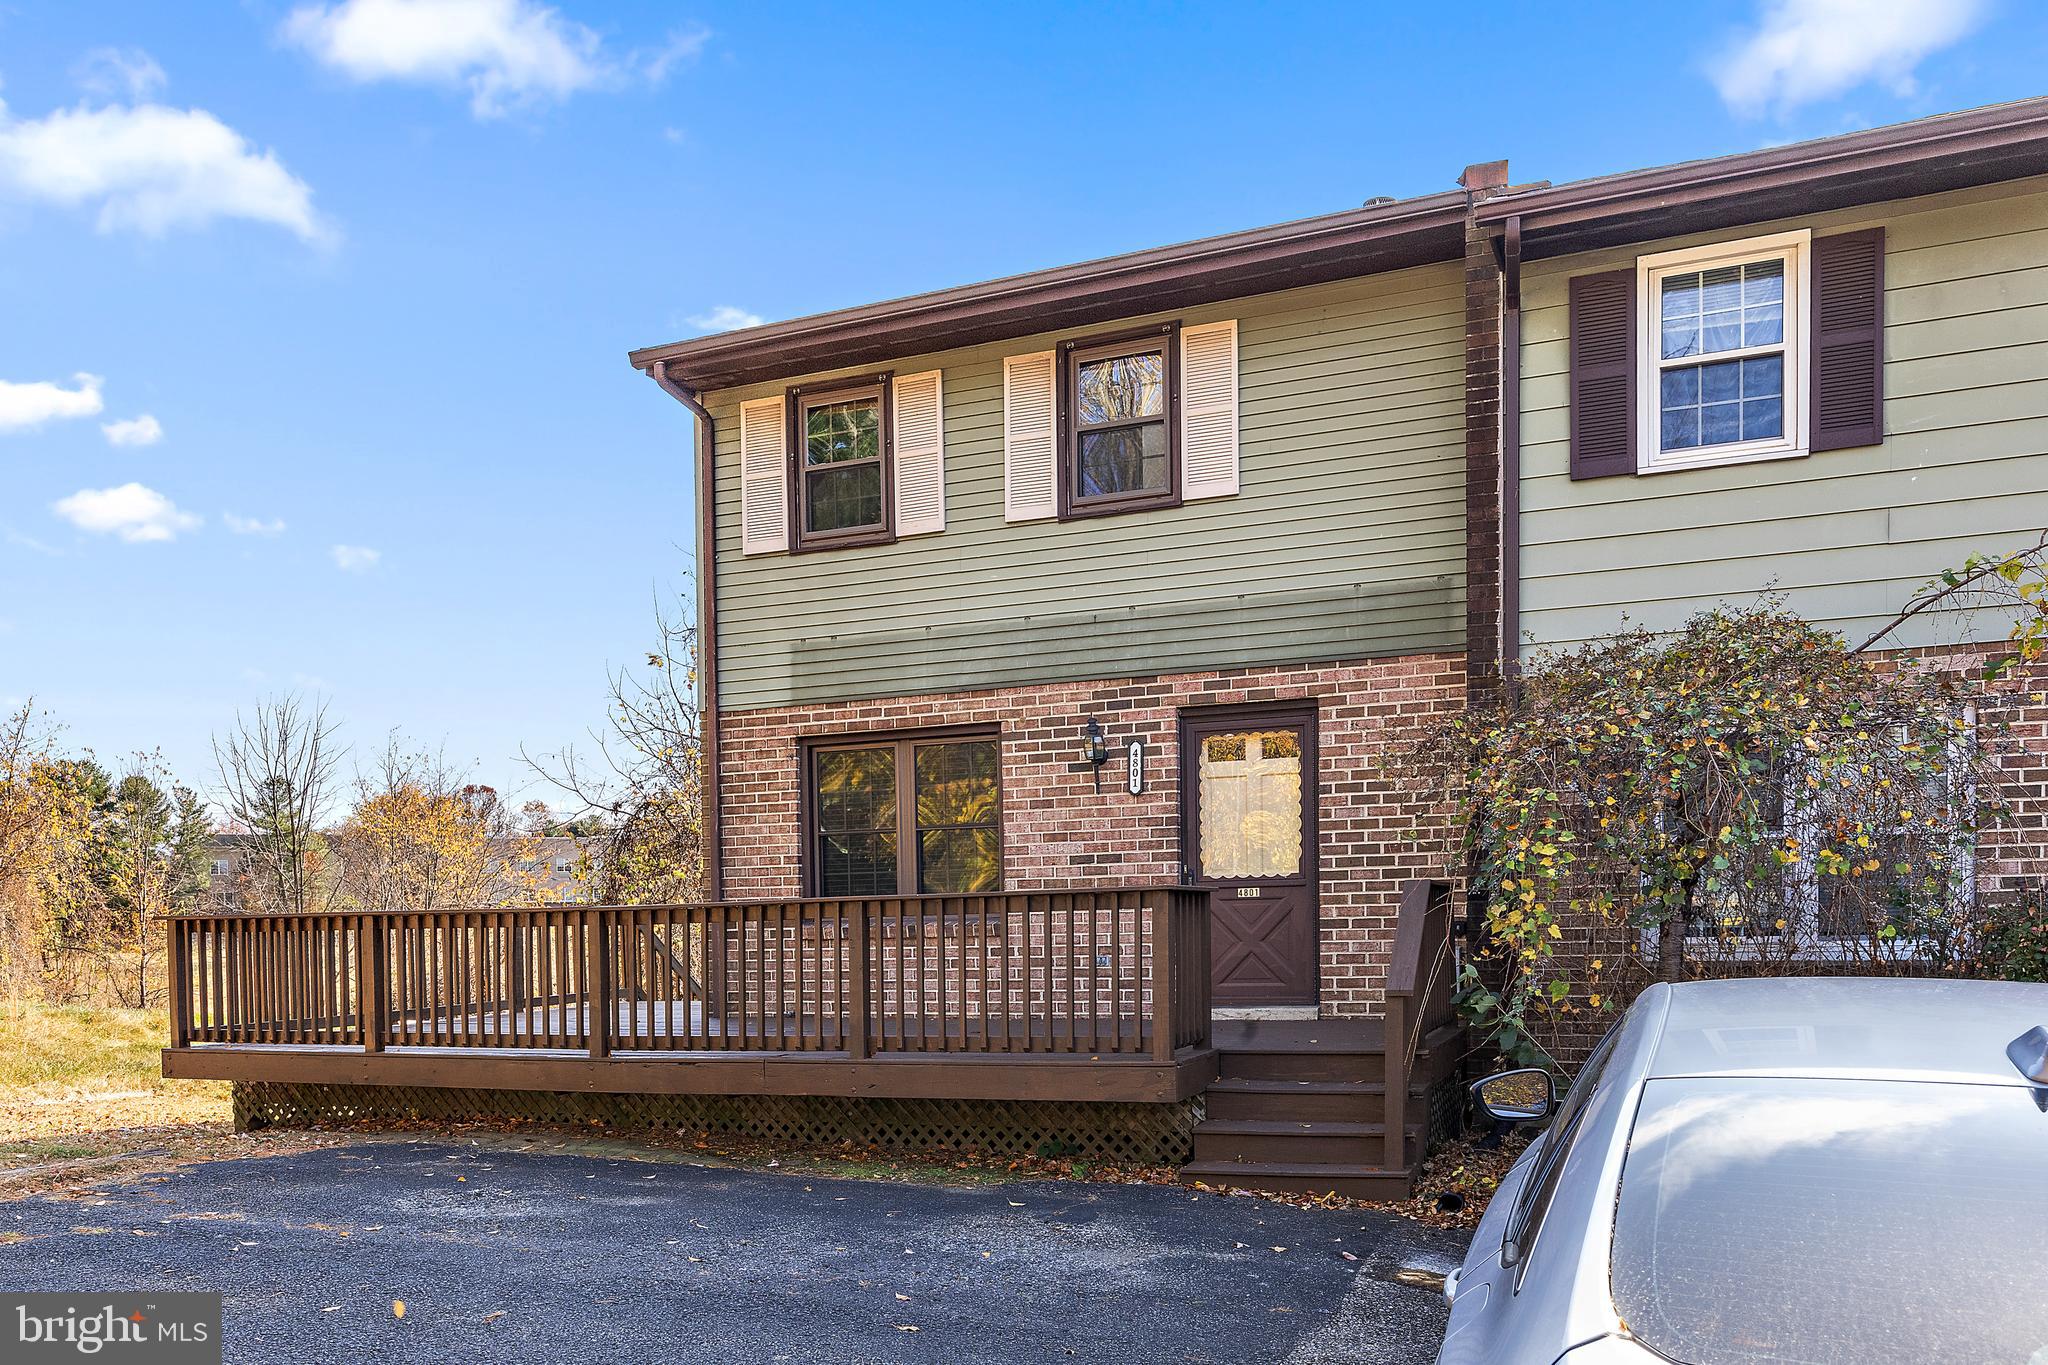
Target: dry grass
[(82, 1090)]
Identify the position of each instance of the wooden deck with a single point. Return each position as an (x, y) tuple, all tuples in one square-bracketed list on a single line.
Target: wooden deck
[(1099, 995)]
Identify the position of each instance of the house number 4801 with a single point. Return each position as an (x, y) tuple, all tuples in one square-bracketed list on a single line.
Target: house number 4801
[(1134, 770)]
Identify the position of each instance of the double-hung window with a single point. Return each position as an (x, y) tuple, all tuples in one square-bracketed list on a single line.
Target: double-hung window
[(909, 816), (841, 464), (1119, 405), (1721, 343)]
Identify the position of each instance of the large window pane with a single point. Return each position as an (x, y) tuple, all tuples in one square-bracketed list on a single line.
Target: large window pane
[(1721, 403), (958, 817), (844, 498), (1723, 309), (1119, 388), (855, 797), (843, 431), (1123, 460), (956, 783), (1251, 804)]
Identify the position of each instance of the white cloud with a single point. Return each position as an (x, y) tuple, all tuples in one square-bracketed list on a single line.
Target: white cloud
[(253, 526), (355, 558), (682, 45), (24, 407), (1807, 50), (726, 318), (150, 168), (118, 71), (135, 431), (132, 512), (504, 52)]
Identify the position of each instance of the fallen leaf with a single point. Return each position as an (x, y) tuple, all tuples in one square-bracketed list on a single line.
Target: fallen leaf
[(903, 1298), (494, 1316), (332, 1308), (398, 1308), (1347, 1255), (906, 1327)]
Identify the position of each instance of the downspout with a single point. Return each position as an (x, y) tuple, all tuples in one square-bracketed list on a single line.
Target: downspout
[(707, 626), (1511, 453)]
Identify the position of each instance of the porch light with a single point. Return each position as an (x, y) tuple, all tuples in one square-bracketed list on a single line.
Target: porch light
[(1094, 747)]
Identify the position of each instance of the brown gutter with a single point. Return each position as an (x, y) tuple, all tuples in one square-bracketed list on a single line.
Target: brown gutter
[(707, 627), (1948, 151), (1335, 246), (1511, 451)]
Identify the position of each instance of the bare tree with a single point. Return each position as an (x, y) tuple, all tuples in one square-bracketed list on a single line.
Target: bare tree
[(277, 769), (642, 778)]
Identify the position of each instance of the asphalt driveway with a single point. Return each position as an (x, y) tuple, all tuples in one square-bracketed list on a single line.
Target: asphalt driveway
[(504, 1255)]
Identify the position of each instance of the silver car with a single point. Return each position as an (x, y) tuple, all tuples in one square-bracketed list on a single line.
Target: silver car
[(1826, 1170)]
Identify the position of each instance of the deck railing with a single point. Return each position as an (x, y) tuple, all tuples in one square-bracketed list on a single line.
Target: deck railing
[(1420, 982), (1115, 972)]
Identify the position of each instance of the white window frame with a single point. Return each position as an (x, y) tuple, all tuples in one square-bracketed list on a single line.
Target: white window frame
[(1802, 883), (1795, 250)]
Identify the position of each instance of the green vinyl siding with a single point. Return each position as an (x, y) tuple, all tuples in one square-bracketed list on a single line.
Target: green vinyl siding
[(1846, 535), (1346, 541)]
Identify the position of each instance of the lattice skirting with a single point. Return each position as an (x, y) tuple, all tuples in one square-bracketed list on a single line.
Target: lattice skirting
[(1121, 1134)]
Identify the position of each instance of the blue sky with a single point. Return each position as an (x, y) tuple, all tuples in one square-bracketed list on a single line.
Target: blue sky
[(372, 269)]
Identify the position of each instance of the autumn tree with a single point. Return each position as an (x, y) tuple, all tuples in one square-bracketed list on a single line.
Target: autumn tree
[(420, 835)]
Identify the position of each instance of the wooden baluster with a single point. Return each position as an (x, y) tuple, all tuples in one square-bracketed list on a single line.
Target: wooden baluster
[(374, 959), (1163, 966), (856, 998), (601, 1009)]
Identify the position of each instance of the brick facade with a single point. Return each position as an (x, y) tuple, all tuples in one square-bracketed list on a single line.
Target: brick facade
[(1060, 831)]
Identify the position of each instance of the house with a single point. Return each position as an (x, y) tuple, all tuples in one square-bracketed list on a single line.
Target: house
[(1052, 625), (527, 869)]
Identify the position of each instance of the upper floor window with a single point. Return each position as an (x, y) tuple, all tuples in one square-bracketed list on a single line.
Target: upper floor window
[(1722, 354), (841, 464), (1118, 406)]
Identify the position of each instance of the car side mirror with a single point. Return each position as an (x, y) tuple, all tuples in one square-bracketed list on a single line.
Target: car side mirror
[(1522, 1096)]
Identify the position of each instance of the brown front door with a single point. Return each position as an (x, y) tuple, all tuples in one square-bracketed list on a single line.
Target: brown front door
[(1248, 828)]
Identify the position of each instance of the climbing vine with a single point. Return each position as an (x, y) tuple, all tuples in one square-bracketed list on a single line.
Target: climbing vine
[(1747, 789)]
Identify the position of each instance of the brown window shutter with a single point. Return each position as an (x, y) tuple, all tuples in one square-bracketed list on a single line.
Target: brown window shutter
[(1848, 340), (1603, 377)]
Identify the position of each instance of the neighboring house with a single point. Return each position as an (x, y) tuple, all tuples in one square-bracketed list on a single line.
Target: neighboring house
[(1123, 574), (542, 869)]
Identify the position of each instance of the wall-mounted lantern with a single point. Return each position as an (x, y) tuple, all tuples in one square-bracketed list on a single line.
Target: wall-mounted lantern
[(1094, 748)]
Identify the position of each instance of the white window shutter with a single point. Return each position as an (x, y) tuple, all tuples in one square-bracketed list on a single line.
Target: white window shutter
[(1208, 410), (1030, 438), (918, 446), (764, 481)]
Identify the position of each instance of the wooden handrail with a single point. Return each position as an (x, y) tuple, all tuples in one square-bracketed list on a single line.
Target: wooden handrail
[(1418, 996), (1107, 971)]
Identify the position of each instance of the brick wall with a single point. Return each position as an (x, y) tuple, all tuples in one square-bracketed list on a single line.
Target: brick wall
[(1059, 831)]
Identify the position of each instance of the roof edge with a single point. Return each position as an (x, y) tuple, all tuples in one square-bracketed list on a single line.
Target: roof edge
[(1990, 129), (1125, 282)]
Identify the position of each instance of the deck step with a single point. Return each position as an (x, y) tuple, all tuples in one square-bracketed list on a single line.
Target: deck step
[(1298, 1064), (1252, 1097), (1352, 1181), (1294, 1142)]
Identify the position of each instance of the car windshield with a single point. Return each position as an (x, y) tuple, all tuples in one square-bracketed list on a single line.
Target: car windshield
[(1782, 1220)]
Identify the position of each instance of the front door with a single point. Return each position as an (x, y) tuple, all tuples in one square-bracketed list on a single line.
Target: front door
[(1248, 831)]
